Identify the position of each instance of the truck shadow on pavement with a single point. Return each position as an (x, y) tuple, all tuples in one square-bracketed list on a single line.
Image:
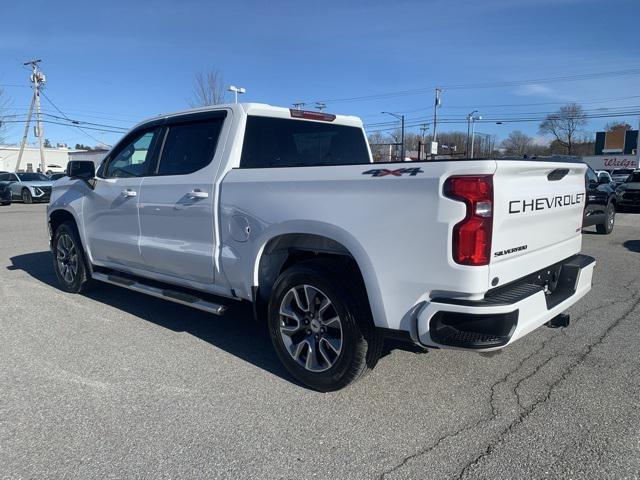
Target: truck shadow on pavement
[(632, 245), (236, 332)]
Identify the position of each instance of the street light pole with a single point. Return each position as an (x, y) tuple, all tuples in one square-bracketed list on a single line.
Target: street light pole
[(236, 91), (401, 118)]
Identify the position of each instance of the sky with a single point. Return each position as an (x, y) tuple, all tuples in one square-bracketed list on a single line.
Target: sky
[(115, 63)]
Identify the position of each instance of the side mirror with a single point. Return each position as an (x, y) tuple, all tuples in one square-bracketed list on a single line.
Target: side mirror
[(81, 170)]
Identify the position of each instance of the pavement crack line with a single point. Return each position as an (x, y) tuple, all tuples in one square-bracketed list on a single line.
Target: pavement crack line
[(532, 408), (505, 379), (485, 419)]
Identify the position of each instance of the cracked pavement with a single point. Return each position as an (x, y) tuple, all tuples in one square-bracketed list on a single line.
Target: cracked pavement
[(115, 384)]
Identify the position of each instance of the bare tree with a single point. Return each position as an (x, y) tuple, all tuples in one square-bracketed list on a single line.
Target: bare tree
[(208, 89), (517, 143), (564, 125)]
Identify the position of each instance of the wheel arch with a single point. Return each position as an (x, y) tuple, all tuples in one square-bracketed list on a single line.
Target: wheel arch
[(284, 248), (58, 217)]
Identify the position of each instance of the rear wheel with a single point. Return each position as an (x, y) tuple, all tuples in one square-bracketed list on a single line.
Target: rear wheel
[(26, 196), (606, 227), (69, 261), (320, 325)]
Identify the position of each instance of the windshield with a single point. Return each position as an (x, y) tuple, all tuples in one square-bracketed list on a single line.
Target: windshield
[(635, 178), (33, 177)]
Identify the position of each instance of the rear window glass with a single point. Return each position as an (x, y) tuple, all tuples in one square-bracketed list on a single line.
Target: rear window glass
[(279, 142), (33, 177)]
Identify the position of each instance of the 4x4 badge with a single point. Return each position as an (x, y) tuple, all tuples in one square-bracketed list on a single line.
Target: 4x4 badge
[(383, 172)]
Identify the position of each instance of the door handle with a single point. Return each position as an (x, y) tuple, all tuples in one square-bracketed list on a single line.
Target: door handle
[(197, 193), (128, 193)]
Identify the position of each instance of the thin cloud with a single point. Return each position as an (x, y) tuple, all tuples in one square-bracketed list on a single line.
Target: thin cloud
[(537, 90)]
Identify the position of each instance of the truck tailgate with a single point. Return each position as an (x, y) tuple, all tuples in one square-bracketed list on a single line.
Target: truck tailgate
[(538, 210)]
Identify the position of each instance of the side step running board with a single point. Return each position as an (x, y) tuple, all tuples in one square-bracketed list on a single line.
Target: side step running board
[(171, 295)]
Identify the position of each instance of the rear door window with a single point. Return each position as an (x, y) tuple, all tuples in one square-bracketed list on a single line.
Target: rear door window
[(189, 147), (280, 142)]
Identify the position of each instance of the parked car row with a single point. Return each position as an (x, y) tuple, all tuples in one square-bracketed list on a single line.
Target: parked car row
[(26, 186)]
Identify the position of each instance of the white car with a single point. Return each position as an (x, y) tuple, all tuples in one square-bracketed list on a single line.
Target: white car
[(53, 168), (28, 186), (283, 208)]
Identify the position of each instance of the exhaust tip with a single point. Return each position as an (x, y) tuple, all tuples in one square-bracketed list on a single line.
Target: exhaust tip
[(559, 321)]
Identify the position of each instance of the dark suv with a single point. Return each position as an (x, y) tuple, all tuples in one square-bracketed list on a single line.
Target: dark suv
[(601, 203), (628, 192)]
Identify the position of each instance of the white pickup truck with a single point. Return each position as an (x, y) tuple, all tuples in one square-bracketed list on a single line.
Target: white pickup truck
[(284, 208)]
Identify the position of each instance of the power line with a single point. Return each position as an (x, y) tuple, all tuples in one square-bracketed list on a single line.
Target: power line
[(74, 123), (504, 116), (514, 120), (68, 125), (511, 105), (497, 84)]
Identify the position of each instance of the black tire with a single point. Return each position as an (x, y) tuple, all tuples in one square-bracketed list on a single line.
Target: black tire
[(361, 345), (606, 227), (6, 203), (26, 196), (72, 274)]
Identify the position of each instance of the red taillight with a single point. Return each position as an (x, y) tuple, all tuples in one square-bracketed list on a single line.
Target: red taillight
[(472, 236), (311, 115)]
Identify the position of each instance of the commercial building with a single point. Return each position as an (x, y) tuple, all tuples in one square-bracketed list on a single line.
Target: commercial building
[(56, 159), (615, 149), (96, 156)]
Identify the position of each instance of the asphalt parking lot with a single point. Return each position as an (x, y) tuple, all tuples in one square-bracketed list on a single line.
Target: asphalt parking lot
[(117, 385)]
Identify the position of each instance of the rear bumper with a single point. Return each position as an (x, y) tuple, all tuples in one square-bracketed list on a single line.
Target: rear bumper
[(507, 313)]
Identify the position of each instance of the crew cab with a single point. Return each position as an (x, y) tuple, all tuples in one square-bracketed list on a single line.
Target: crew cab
[(285, 209)]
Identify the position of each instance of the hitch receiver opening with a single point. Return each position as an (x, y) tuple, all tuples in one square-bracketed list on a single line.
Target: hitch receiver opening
[(559, 321)]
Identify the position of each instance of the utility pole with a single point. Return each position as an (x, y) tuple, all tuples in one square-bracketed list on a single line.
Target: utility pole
[(321, 105), (26, 133), (471, 121), (436, 105), (423, 130), (298, 105), (38, 80), (401, 118)]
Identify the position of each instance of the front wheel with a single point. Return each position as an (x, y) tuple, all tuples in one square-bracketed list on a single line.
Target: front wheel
[(68, 259), (320, 325), (26, 196), (606, 227)]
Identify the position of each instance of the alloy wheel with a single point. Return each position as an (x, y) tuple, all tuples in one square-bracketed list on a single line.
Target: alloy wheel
[(67, 258), (310, 328)]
